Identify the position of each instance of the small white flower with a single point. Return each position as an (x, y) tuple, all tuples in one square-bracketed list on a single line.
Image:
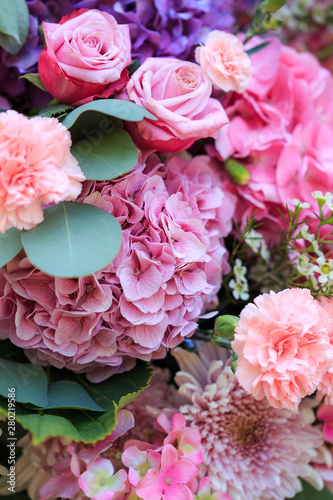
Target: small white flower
[(257, 242), (318, 195), (329, 200), (324, 268), (305, 266), (300, 204), (239, 270), (306, 234), (324, 198), (239, 289)]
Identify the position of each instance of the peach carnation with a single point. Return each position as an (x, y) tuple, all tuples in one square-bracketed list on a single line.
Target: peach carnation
[(36, 166), (283, 344), (225, 61)]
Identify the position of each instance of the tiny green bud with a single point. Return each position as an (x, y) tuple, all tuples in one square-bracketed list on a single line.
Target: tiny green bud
[(272, 5), (237, 171), (234, 362), (271, 24), (225, 326)]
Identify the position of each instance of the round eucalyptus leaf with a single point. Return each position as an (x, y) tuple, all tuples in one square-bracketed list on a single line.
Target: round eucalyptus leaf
[(74, 240), (10, 245), (105, 156)]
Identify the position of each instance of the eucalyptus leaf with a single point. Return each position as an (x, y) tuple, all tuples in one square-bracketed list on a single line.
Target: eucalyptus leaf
[(14, 25), (75, 239), (105, 156), (10, 245), (29, 382), (70, 394), (34, 78), (124, 110)]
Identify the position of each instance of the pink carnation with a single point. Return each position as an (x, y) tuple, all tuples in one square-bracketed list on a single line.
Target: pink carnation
[(36, 166), (225, 61), (283, 344), (149, 298), (280, 129)]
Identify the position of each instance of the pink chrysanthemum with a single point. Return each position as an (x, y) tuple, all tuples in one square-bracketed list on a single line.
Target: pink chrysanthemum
[(36, 166), (165, 276), (283, 341), (251, 450)]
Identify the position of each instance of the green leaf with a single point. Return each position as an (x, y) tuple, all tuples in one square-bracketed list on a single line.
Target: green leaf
[(29, 382), (84, 425), (69, 394), (309, 493), (124, 110), (34, 78), (133, 67), (41, 426), (56, 110), (10, 245), (121, 389), (105, 156), (257, 48), (14, 25), (75, 239)]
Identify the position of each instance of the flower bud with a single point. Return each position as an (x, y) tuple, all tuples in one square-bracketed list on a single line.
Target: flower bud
[(225, 325), (237, 171), (272, 5), (234, 362)]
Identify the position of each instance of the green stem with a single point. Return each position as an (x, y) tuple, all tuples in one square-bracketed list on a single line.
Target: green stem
[(325, 53)]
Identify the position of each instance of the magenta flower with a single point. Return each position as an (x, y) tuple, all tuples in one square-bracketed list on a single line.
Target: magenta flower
[(325, 414), (186, 439), (170, 482)]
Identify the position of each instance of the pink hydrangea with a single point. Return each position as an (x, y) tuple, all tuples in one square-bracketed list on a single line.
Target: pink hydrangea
[(53, 468), (101, 482), (61, 468), (36, 167), (149, 298), (283, 341), (171, 480), (280, 129)]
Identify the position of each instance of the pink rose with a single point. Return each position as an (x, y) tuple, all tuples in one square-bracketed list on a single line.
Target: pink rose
[(283, 341), (178, 94), (225, 61), (86, 55), (36, 166)]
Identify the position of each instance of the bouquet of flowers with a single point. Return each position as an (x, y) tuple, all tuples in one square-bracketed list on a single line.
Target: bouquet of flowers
[(166, 213)]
